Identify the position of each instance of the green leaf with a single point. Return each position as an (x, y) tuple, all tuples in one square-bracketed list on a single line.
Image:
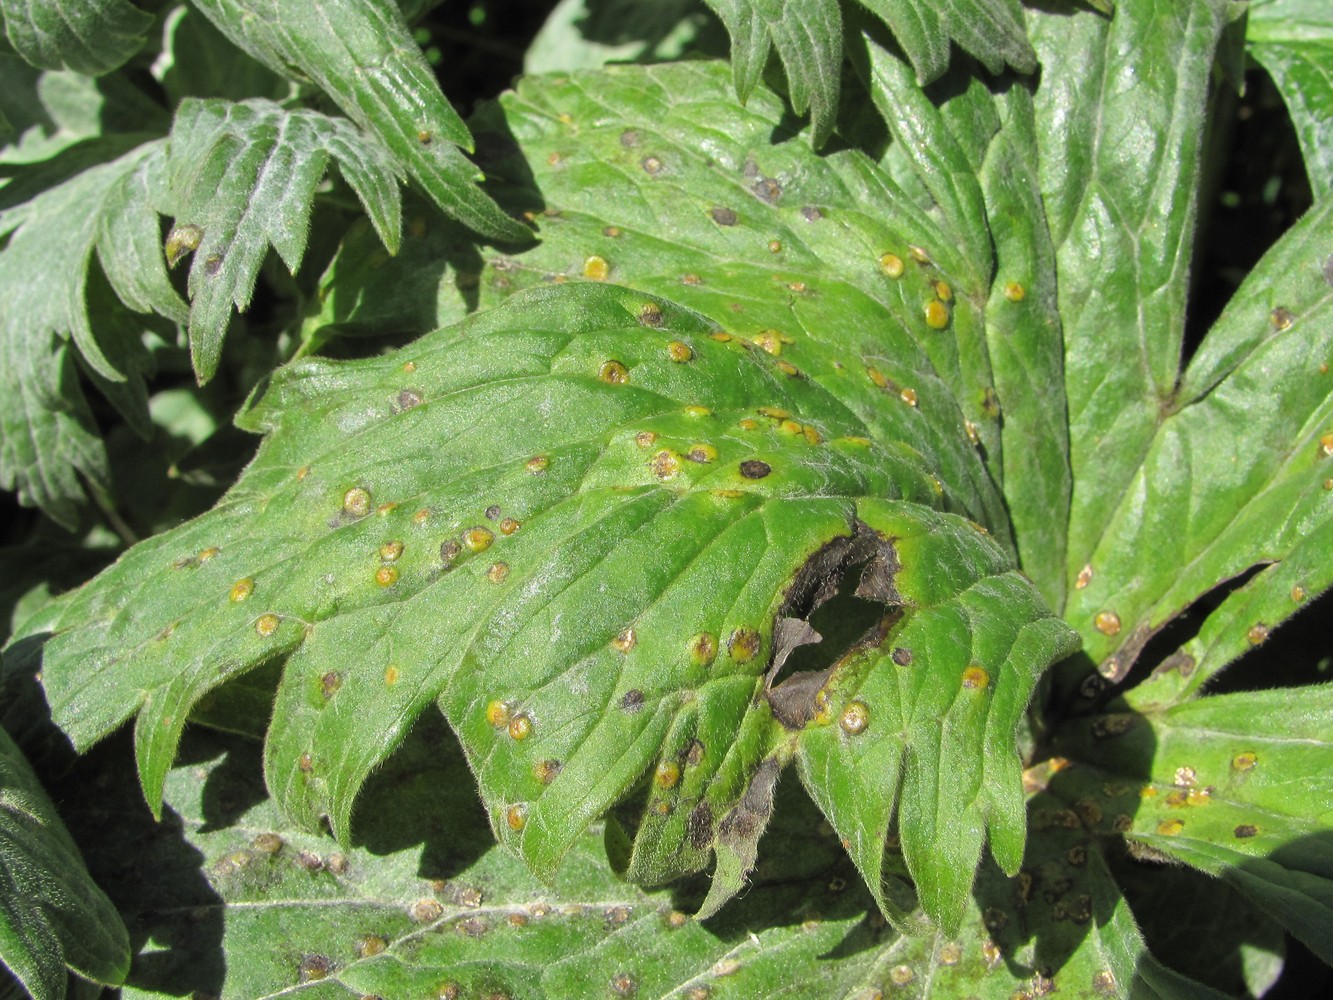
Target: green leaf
[(1239, 786), (595, 461), (1234, 478), (1293, 40), (641, 144), (48, 445), (244, 177), (951, 685), (991, 30), (422, 898), (361, 53), (1119, 169), (769, 241), (88, 36), (52, 914), (808, 38)]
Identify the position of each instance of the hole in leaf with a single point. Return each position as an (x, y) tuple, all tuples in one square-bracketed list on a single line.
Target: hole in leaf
[(839, 601)]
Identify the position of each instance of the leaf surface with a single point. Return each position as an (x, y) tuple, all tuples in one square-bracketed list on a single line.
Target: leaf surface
[(361, 53), (243, 177), (1237, 785), (424, 899), (1236, 477), (49, 450), (517, 518), (991, 30), (52, 914), (88, 36), (1293, 40), (1119, 160)]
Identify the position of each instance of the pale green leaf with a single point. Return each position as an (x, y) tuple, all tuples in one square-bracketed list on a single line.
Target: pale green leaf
[(1293, 40), (808, 39), (88, 36), (1239, 786), (1119, 165), (48, 446), (245, 175), (52, 914), (1232, 479), (361, 53)]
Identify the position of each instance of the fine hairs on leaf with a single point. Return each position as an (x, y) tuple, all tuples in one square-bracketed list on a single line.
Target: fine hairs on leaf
[(750, 526), (244, 177)]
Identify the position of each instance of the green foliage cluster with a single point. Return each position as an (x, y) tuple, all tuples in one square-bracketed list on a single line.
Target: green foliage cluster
[(792, 491)]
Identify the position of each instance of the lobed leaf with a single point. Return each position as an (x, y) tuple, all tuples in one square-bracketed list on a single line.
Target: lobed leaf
[(49, 449), (809, 41), (1293, 40), (361, 53), (1119, 163), (243, 176), (424, 899), (1235, 477), (990, 30), (517, 518), (1238, 786), (52, 914), (88, 36)]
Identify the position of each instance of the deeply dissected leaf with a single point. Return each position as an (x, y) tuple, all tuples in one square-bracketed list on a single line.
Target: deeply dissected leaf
[(518, 518), (1237, 785), (89, 36), (808, 39), (1293, 39), (805, 217), (991, 30), (243, 176), (766, 240), (361, 53), (52, 914), (49, 449), (422, 899), (1120, 154), (1236, 477)]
